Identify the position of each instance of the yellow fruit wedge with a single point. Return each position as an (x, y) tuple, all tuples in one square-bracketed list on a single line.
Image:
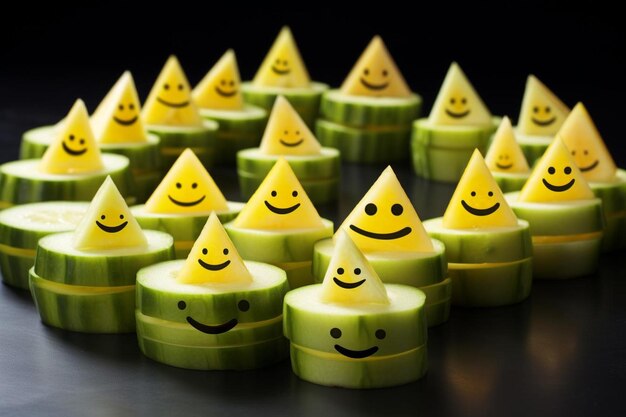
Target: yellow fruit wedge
[(542, 112), (220, 89), (505, 154)]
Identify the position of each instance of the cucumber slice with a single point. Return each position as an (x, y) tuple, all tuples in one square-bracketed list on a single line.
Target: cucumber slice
[(306, 101), (84, 309), (36, 141), (333, 370), (21, 182), (408, 268), (501, 244), (438, 313), (277, 246), (319, 191), (365, 111), (563, 260), (184, 228), (21, 227), (614, 237), (159, 295), (326, 165), (298, 273), (437, 292), (533, 146), (509, 182), (365, 145), (613, 196), (57, 260)]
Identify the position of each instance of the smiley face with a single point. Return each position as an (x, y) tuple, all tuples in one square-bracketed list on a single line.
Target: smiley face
[(585, 160), (282, 210), (375, 80), (504, 161), (483, 200), (565, 182), (111, 229), (291, 139), (457, 107), (543, 116), (336, 333), (280, 66), (348, 285), (69, 145), (243, 305), (371, 210), (125, 114), (226, 88), (214, 267), (174, 95), (191, 189)]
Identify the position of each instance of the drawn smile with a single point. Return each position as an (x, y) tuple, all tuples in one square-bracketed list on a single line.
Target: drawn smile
[(558, 188), (225, 93), (72, 151), (213, 267), (480, 212), (348, 285), (374, 86), (218, 329), (125, 122), (111, 229), (382, 236), (186, 203), (356, 354), (279, 210), (171, 104), (457, 115), (543, 122), (291, 144)]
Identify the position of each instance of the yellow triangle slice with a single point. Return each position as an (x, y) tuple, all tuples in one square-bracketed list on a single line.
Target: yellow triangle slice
[(542, 112), (385, 220), (186, 188), (279, 203), (118, 118), (458, 103), (108, 223), (350, 279), (505, 153), (376, 74), (221, 86), (283, 66), (585, 144), (214, 259), (169, 102), (477, 202), (74, 150), (286, 133)]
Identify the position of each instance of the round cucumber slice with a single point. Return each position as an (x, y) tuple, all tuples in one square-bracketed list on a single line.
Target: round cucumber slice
[(160, 295), (365, 111), (408, 268), (184, 228), (57, 260), (563, 260), (501, 244), (533, 146), (380, 145), (333, 370), (84, 309), (393, 328), (22, 182), (438, 313), (613, 196), (437, 292), (278, 246), (326, 165), (319, 191), (36, 141), (509, 182)]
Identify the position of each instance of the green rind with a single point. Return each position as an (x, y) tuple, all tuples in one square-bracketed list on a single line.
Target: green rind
[(326, 165), (278, 246), (359, 374), (319, 191), (365, 145), (438, 313), (15, 269), (58, 261), (509, 182), (500, 244), (364, 111), (533, 146), (35, 142), (566, 260), (614, 237), (613, 196), (437, 292), (87, 313)]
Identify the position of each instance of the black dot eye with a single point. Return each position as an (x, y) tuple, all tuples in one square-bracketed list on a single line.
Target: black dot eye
[(573, 152), (551, 170), (194, 185), (452, 100), (295, 193), (473, 193), (339, 271), (205, 251), (286, 132), (232, 83), (274, 193), (179, 185), (72, 137), (131, 106), (366, 71), (535, 109), (285, 62), (82, 141), (182, 305), (103, 217), (380, 334), (166, 86), (548, 109), (243, 305), (121, 107), (180, 87), (397, 209), (121, 217), (586, 152), (385, 73), (277, 60), (223, 82), (567, 170), (464, 100), (297, 132), (335, 333), (225, 251), (357, 271), (371, 209), (490, 193)]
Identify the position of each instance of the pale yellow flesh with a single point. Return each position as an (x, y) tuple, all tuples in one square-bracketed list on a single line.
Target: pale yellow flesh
[(220, 89), (542, 112), (505, 153)]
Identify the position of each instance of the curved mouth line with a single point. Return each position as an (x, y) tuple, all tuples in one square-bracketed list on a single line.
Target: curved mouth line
[(480, 212), (225, 93), (185, 203), (457, 115), (590, 167), (543, 122), (213, 267), (170, 104), (504, 166), (280, 71), (348, 285), (382, 236), (558, 188), (125, 122), (373, 86), (218, 329), (111, 229), (73, 152), (278, 210), (356, 354), (291, 144)]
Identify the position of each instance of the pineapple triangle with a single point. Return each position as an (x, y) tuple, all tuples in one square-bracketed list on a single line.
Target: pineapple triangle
[(117, 118), (108, 222), (385, 220), (221, 87), (169, 102), (350, 279), (214, 259), (585, 144), (477, 202), (279, 203), (286, 133), (376, 74), (542, 112), (458, 103), (283, 66), (187, 188), (74, 150), (505, 153), (555, 178)]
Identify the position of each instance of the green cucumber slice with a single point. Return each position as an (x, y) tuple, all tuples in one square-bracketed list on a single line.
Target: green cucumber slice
[(614, 237), (36, 141), (509, 182), (438, 313), (57, 260), (326, 165), (298, 273), (437, 292), (563, 260), (613, 196), (84, 309), (501, 244), (533, 146), (278, 246), (364, 111), (319, 191)]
